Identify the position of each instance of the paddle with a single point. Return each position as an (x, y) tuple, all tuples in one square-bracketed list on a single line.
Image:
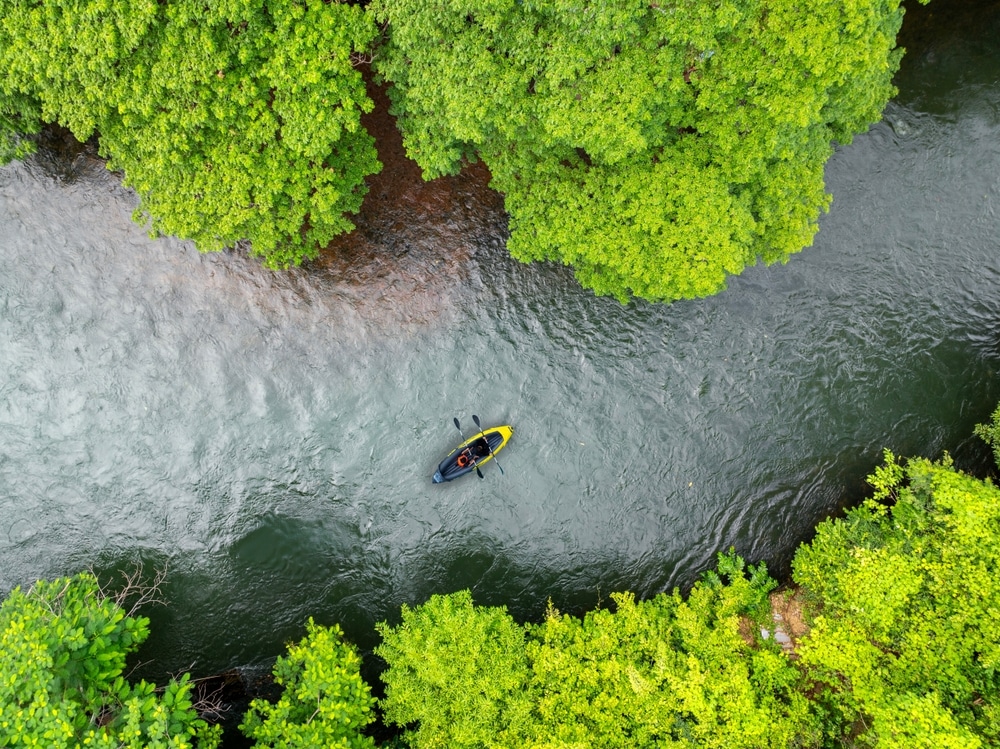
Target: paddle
[(476, 419), (459, 428)]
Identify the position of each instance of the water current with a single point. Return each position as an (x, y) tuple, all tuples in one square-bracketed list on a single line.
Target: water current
[(270, 437)]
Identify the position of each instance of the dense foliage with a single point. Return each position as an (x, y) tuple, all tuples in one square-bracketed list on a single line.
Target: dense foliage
[(457, 671), (233, 120), (906, 641), (325, 702), (63, 646), (656, 147), (663, 672)]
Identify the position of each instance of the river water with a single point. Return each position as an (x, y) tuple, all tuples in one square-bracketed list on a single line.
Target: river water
[(270, 437)]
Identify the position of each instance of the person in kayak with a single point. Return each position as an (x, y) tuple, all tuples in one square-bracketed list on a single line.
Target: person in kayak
[(473, 453)]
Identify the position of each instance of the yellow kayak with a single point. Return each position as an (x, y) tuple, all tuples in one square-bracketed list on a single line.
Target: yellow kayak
[(473, 453)]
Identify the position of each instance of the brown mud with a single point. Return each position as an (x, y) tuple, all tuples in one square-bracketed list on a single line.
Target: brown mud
[(788, 622), (787, 613)]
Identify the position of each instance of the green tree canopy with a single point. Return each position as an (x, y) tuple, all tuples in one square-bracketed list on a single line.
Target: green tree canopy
[(325, 702), (907, 641), (457, 671), (63, 646), (233, 120), (655, 147), (667, 672), (20, 119)]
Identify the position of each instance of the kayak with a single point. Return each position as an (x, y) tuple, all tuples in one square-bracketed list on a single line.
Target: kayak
[(473, 453)]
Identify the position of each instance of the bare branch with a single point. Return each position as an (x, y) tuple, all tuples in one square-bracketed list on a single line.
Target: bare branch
[(136, 667), (208, 699), (362, 58), (32, 593), (132, 587)]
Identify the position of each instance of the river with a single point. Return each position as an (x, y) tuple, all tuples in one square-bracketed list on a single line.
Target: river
[(269, 438)]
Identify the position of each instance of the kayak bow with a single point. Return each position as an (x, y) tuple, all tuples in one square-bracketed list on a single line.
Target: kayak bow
[(473, 453)]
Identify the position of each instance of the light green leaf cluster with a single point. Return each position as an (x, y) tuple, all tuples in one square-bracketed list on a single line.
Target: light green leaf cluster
[(68, 55), (59, 62), (907, 637), (656, 147), (457, 670), (63, 646), (237, 120), (325, 702), (666, 672), (990, 433), (20, 119)]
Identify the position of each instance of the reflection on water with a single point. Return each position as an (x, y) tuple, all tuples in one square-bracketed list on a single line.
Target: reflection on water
[(413, 254), (271, 436)]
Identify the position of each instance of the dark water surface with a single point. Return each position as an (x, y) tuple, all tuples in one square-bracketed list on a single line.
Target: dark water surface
[(271, 437)]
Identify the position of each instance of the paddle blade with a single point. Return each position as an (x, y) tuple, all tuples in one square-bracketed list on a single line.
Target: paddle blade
[(476, 419), (457, 425), (479, 473)]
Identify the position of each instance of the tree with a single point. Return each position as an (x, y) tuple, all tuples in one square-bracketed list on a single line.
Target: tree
[(236, 120), (656, 147), (19, 120), (325, 703), (63, 646), (905, 640), (663, 672), (457, 671), (668, 671)]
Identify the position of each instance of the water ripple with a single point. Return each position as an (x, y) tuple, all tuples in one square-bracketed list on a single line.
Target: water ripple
[(271, 436)]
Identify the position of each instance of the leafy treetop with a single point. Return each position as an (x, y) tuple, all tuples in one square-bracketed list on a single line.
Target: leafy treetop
[(63, 646), (233, 120), (656, 147), (665, 672), (325, 702), (906, 638)]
